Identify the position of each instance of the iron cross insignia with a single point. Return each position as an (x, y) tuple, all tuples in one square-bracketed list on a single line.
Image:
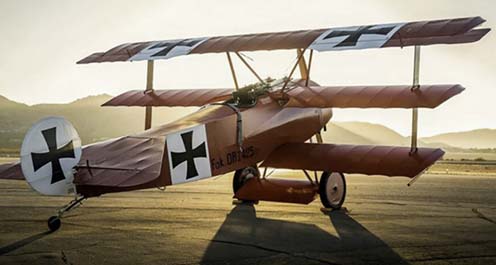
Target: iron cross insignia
[(169, 45), (53, 155), (354, 35), (189, 155)]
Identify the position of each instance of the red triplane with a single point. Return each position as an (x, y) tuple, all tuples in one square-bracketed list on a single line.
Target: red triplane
[(269, 124)]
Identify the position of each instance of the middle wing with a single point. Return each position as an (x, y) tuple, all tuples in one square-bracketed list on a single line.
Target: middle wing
[(425, 96), (170, 97)]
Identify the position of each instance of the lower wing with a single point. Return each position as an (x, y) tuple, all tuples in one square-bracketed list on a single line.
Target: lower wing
[(360, 159)]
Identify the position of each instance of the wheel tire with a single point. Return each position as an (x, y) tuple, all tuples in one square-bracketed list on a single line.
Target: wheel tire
[(54, 223), (332, 190), (241, 176)]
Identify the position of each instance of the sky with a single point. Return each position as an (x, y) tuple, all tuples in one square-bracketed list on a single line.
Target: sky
[(42, 40)]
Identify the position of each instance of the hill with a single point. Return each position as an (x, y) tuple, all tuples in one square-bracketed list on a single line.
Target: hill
[(7, 103), (93, 123), (368, 133), (481, 138), (338, 134), (375, 134)]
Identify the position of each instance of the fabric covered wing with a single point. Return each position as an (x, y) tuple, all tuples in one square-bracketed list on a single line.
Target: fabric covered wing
[(361, 159), (446, 31), (170, 97), (119, 165), (428, 96)]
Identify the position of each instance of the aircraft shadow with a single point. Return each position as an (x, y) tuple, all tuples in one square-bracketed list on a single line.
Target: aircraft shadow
[(244, 238), (21, 243)]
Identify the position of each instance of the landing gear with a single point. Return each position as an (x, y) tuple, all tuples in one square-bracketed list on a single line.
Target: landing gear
[(332, 190), (54, 222), (241, 176)]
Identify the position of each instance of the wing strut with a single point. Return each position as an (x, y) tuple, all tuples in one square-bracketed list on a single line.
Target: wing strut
[(415, 87), (298, 59), (231, 66), (309, 67), (149, 89), (249, 67), (302, 64)]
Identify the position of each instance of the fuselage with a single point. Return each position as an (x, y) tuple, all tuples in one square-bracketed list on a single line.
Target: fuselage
[(264, 127)]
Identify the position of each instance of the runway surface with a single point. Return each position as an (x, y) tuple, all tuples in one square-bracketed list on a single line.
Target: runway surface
[(439, 220)]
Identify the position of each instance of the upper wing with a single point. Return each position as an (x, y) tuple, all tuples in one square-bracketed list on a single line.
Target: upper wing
[(446, 31), (170, 97), (361, 159), (428, 96)]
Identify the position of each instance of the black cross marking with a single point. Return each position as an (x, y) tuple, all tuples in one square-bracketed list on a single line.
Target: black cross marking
[(169, 45), (53, 155), (189, 155), (354, 35)]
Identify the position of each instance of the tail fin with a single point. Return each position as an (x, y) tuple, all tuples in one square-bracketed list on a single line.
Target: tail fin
[(50, 151)]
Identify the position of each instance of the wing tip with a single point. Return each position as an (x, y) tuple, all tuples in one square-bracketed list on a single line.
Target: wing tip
[(436, 155), (92, 58), (459, 88)]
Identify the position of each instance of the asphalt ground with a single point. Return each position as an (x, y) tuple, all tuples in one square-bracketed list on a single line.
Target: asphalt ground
[(441, 219)]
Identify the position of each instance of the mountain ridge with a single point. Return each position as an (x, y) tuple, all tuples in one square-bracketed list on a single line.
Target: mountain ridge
[(478, 138)]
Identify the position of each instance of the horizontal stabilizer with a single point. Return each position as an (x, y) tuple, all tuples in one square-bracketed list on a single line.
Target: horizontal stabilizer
[(11, 171), (360, 159), (446, 31), (170, 97), (115, 165), (428, 96)]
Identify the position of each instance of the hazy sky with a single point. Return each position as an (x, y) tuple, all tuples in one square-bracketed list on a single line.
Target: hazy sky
[(42, 40)]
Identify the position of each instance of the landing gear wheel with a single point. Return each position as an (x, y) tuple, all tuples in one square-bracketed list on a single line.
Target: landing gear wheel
[(241, 176), (54, 223), (332, 190)]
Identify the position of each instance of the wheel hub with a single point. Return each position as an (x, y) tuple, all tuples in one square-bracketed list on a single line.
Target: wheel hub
[(335, 188)]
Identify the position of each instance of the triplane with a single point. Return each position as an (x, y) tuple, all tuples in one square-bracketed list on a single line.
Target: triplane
[(270, 124)]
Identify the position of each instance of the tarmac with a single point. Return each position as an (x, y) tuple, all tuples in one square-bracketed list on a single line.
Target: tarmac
[(439, 220)]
